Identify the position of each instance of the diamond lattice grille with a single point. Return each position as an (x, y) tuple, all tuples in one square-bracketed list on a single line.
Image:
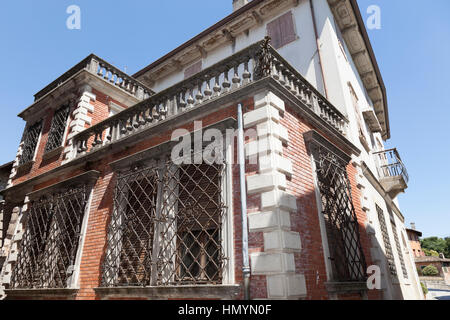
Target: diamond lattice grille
[(387, 241), (346, 253), (399, 248), (57, 128), (166, 227), (50, 242), (30, 142)]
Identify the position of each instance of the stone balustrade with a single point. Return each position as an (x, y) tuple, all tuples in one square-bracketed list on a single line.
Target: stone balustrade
[(252, 64), (105, 71)]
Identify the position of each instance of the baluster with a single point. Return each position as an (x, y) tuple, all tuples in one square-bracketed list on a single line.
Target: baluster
[(236, 79), (226, 83), (113, 77), (100, 70), (164, 109), (123, 126), (190, 100), (148, 114), (246, 75), (183, 100), (136, 122), (199, 95), (208, 92), (217, 87), (130, 123), (282, 78)]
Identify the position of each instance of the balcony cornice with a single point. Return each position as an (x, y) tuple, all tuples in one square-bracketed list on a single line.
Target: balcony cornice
[(97, 73)]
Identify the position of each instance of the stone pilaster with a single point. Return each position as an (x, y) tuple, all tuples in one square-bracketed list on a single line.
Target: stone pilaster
[(276, 262), (10, 248), (81, 117)]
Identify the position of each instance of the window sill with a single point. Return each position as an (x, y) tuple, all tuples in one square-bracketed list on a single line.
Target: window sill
[(41, 294), (52, 153), (25, 167), (346, 287), (225, 292)]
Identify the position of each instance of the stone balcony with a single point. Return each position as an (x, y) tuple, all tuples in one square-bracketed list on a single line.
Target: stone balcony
[(392, 172), (97, 73), (237, 77)]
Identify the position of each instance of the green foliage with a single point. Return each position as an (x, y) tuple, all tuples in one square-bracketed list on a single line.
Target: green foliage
[(424, 288), (431, 253), (430, 271), (437, 244)]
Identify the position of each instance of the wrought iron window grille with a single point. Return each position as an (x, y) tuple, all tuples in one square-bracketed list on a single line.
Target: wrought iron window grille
[(346, 255), (398, 246), (50, 243), (386, 241), (30, 141), (58, 128), (166, 226)]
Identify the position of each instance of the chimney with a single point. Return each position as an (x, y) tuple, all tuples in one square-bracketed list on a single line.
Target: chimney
[(237, 4), (413, 226)]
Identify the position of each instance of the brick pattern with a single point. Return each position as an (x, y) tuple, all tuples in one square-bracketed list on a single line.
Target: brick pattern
[(269, 213)]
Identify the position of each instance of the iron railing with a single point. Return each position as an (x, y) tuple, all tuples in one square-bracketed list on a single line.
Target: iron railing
[(346, 254), (57, 129), (387, 242), (30, 141), (390, 164), (50, 242), (166, 227), (254, 63)]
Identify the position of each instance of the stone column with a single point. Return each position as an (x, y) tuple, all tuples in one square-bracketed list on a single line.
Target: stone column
[(276, 262)]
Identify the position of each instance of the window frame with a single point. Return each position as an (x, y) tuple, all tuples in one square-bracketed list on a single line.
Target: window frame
[(226, 232), (277, 24), (49, 153)]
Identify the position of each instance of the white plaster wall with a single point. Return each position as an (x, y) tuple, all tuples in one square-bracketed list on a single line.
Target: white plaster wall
[(302, 53)]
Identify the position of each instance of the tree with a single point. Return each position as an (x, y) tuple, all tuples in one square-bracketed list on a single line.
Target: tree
[(447, 251), (430, 271), (431, 253), (434, 243)]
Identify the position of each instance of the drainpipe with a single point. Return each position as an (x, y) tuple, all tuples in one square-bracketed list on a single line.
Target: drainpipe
[(241, 159), (313, 14)]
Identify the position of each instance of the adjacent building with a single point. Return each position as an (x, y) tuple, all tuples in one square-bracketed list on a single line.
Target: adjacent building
[(414, 241), (131, 186)]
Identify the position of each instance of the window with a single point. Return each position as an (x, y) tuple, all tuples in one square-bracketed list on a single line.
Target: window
[(193, 69), (362, 136), (57, 129), (282, 30), (387, 242), (30, 141), (399, 248), (166, 227), (50, 242), (342, 228)]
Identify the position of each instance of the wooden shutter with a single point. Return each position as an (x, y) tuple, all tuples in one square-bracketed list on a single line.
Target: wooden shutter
[(282, 30), (193, 69), (287, 28)]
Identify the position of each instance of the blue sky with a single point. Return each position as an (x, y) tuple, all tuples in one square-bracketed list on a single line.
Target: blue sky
[(412, 48)]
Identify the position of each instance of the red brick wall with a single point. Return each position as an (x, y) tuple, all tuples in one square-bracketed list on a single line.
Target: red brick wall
[(310, 261)]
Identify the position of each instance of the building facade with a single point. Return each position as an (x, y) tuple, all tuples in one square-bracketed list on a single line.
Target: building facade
[(247, 163), (414, 241)]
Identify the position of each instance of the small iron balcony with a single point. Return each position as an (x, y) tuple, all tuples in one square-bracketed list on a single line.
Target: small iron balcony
[(392, 172)]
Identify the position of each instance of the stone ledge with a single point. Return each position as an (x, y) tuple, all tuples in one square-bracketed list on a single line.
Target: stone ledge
[(176, 292), (346, 287), (52, 153), (40, 294)]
